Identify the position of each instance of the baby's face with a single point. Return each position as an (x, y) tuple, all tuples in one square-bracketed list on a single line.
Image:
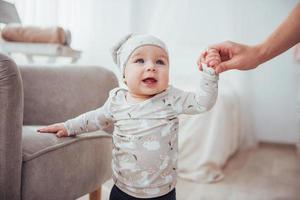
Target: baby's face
[(147, 71)]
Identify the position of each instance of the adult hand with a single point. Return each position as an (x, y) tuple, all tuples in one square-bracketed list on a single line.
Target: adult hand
[(233, 56)]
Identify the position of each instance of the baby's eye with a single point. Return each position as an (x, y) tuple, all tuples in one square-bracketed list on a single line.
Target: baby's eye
[(160, 62), (140, 60)]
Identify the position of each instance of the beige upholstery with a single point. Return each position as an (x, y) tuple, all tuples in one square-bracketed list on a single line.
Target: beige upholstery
[(40, 165)]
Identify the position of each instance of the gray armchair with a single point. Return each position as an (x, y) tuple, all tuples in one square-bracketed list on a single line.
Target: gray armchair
[(40, 165)]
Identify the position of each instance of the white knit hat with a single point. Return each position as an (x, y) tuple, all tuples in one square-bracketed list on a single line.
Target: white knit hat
[(126, 46)]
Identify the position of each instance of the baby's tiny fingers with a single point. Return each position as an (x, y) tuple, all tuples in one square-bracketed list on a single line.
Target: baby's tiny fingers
[(42, 130), (46, 130), (60, 134), (213, 55), (210, 49), (200, 67), (212, 63), (202, 58)]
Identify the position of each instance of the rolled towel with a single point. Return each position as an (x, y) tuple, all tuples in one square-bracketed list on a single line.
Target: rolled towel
[(19, 33)]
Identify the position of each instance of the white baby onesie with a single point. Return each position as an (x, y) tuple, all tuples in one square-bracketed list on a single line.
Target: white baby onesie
[(145, 135)]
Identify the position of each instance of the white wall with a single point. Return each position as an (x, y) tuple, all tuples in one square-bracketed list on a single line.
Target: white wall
[(95, 24), (268, 94)]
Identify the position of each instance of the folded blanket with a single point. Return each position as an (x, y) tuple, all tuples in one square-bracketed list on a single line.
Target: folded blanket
[(19, 33)]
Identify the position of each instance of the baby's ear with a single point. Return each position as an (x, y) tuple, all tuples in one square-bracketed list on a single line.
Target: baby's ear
[(117, 46)]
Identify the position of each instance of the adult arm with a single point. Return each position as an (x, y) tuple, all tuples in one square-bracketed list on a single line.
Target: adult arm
[(244, 57)]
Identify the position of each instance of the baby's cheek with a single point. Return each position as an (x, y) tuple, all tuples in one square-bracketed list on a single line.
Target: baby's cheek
[(165, 81)]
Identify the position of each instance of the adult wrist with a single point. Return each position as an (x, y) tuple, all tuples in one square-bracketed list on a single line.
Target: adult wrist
[(262, 52)]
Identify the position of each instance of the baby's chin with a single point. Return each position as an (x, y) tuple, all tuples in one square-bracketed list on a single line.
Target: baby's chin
[(154, 92)]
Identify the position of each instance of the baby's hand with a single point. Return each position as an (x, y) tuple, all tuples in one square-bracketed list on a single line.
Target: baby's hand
[(58, 129), (210, 57)]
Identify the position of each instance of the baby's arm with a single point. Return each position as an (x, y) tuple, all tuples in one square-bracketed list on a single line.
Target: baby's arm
[(58, 129), (205, 98), (201, 101), (87, 122), (91, 121)]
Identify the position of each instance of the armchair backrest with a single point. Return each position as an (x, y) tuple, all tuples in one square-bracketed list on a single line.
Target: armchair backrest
[(56, 93)]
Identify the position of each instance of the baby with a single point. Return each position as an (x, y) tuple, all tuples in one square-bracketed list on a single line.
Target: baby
[(145, 119)]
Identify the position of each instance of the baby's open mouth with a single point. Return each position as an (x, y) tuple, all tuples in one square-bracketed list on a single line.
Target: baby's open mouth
[(149, 80)]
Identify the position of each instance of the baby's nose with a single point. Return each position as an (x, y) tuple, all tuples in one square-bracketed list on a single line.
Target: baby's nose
[(151, 67)]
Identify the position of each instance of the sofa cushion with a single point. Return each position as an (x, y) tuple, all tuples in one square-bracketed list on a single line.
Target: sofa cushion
[(51, 165)]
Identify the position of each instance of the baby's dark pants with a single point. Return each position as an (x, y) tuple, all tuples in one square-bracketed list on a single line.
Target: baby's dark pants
[(117, 194)]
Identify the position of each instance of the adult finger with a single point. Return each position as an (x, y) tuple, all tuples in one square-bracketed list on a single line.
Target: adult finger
[(221, 46), (224, 66), (225, 49)]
